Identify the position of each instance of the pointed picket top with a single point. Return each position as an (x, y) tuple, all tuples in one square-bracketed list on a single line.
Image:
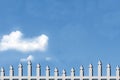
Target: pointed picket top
[(108, 70), (63, 72), (72, 70), (117, 68), (99, 62), (38, 66), (81, 67), (90, 66), (29, 62), (55, 70), (81, 70), (11, 67), (108, 66), (20, 65), (2, 69), (47, 68)]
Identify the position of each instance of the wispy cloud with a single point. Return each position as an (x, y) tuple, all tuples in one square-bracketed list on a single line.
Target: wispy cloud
[(48, 58), (15, 41), (29, 58)]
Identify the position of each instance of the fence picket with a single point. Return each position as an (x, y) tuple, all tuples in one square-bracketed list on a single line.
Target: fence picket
[(56, 75)]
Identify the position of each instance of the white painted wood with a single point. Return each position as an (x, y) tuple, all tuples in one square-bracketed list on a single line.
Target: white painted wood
[(56, 75)]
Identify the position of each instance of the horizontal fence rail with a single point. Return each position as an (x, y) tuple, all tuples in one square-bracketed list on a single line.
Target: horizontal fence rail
[(56, 76)]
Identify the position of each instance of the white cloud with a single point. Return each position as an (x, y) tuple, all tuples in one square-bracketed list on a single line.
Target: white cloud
[(48, 58), (29, 58), (15, 41)]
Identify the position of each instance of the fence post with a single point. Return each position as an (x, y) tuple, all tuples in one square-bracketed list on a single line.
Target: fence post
[(81, 72), (38, 71), (99, 70), (20, 70), (108, 71), (47, 72), (2, 73), (117, 72), (11, 72), (72, 73), (29, 70), (90, 71), (63, 74), (56, 73)]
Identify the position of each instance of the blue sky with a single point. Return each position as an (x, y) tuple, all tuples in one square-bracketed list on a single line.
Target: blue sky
[(78, 32)]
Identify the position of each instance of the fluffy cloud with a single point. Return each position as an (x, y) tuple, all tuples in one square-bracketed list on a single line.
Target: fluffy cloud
[(29, 58), (15, 41)]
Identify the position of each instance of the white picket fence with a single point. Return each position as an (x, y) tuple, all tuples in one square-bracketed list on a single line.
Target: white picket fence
[(56, 73)]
